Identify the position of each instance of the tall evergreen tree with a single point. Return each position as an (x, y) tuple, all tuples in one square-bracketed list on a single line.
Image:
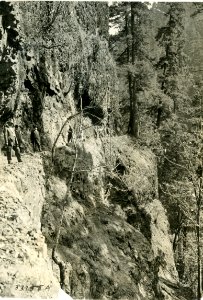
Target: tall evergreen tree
[(131, 50), (182, 168), (172, 62)]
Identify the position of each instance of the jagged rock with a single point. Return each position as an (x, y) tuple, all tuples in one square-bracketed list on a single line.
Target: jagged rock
[(115, 230), (25, 267), (111, 235)]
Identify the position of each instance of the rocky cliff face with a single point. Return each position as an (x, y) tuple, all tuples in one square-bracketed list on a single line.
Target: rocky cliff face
[(25, 267), (95, 202), (114, 240), (9, 56), (114, 236)]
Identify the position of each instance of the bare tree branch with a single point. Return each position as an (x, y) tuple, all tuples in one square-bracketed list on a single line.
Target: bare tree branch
[(55, 15), (64, 124)]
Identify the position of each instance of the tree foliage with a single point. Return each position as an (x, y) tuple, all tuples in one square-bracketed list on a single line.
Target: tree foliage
[(169, 109), (172, 63), (131, 49)]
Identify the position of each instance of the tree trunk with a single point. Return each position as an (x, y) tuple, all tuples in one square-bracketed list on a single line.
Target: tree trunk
[(134, 115), (132, 6), (159, 114), (199, 283), (178, 229), (163, 88), (199, 267), (127, 32), (131, 104)]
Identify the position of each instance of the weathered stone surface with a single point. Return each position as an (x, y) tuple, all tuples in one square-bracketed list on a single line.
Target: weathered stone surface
[(114, 233), (25, 269)]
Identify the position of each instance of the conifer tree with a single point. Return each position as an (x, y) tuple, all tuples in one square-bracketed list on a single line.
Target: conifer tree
[(131, 51), (172, 62)]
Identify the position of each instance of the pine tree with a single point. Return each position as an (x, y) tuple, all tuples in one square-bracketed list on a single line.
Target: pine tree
[(131, 51), (172, 62)]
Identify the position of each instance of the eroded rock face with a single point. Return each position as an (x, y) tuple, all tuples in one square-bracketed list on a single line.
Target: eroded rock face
[(114, 236), (25, 269), (9, 58), (110, 239)]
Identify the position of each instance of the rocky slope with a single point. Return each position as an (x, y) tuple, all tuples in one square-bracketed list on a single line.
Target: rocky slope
[(114, 240), (114, 235), (25, 267), (95, 202)]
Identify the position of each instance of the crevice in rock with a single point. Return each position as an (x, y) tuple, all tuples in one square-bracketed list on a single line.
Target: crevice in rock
[(36, 99), (155, 265), (9, 50), (140, 220), (136, 216), (95, 113), (9, 24), (120, 168), (92, 110), (62, 268), (38, 85), (42, 80)]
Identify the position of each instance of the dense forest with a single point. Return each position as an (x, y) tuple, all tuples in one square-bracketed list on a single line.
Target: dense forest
[(160, 100), (165, 113), (134, 69)]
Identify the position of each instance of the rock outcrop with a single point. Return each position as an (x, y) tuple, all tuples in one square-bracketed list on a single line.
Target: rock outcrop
[(114, 236), (25, 267), (94, 201), (114, 240)]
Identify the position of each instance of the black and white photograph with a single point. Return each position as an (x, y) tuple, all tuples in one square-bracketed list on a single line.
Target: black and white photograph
[(101, 150)]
